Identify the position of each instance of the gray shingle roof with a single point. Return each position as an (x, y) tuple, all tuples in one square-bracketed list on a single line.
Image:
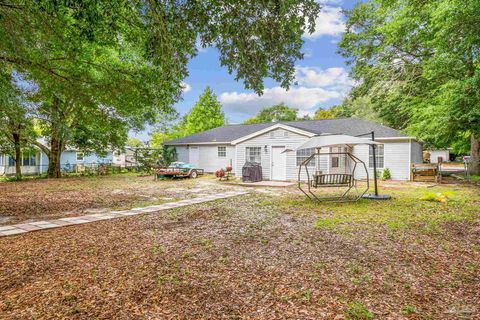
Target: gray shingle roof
[(350, 126)]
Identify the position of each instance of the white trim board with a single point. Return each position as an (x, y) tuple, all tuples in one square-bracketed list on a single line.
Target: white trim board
[(274, 127)]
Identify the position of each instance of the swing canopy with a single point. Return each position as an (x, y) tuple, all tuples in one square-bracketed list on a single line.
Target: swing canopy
[(334, 140)]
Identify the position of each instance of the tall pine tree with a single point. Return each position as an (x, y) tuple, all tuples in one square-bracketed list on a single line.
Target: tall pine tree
[(206, 114)]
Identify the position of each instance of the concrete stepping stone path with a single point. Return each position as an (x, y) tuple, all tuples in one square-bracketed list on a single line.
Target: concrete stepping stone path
[(20, 228)]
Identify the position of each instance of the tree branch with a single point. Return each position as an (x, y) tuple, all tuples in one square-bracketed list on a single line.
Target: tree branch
[(39, 145), (31, 63), (10, 6)]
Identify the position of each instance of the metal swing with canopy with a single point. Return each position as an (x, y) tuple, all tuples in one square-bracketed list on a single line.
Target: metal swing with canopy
[(337, 168)]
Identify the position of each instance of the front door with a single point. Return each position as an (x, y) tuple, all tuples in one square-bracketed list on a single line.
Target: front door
[(279, 163), (193, 156)]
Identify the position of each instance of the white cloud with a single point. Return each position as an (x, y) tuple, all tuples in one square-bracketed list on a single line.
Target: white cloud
[(186, 87), (330, 21), (333, 78), (303, 98), (308, 53), (315, 86)]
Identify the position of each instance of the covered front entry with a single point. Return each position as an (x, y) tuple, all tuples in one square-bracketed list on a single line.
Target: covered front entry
[(279, 163)]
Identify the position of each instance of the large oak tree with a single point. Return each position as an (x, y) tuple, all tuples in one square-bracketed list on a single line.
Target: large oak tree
[(104, 67), (418, 63)]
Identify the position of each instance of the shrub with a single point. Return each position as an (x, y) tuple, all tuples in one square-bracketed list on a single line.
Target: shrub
[(408, 309), (357, 311), (386, 175), (436, 197)]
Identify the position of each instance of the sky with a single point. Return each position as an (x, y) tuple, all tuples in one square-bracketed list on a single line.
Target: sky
[(322, 78)]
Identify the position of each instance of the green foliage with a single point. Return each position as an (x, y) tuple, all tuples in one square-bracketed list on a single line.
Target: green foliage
[(360, 107), (417, 62), (357, 311), (149, 158), (386, 175), (408, 309), (134, 143), (35, 34), (16, 127), (436, 197), (279, 112), (100, 69), (206, 114), (328, 223), (324, 114), (169, 154)]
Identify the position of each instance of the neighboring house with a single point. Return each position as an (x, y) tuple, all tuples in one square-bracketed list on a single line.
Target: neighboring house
[(267, 143), (126, 158), (36, 162), (436, 155)]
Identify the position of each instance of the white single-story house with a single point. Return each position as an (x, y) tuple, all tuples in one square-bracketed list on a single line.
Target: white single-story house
[(268, 143)]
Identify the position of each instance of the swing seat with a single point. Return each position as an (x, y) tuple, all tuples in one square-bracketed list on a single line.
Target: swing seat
[(332, 180)]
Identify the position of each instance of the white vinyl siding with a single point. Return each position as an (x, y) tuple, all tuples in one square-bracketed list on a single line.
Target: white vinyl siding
[(290, 142), (396, 159), (435, 154), (209, 159)]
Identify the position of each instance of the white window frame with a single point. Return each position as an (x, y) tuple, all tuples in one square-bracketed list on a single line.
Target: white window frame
[(81, 158), (29, 157), (253, 154), (379, 155), (303, 154), (222, 151)]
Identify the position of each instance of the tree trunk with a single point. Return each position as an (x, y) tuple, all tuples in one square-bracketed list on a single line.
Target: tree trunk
[(18, 156), (474, 166), (54, 155)]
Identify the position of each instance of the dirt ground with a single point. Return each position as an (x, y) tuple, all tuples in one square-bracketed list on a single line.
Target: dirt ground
[(52, 198), (266, 255)]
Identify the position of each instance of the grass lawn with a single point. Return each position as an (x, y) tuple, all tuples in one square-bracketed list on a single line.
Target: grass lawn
[(266, 255)]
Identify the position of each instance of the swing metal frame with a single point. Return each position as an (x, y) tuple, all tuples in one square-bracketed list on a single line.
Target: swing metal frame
[(337, 179)]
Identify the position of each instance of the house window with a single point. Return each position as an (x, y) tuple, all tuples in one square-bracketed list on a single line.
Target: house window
[(11, 161), (29, 159), (80, 156), (335, 162), (253, 154), (272, 134), (285, 133), (303, 154), (222, 152), (379, 155)]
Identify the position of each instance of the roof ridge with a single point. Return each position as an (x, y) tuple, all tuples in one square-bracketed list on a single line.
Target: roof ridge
[(345, 125)]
